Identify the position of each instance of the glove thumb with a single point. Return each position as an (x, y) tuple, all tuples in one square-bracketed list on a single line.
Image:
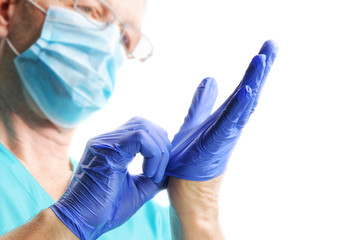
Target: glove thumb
[(147, 188), (200, 109)]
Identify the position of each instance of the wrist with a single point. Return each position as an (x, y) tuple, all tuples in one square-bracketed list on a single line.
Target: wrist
[(195, 198), (58, 230), (194, 208), (194, 226)]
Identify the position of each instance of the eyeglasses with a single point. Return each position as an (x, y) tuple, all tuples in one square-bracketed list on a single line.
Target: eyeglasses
[(101, 14), (136, 44)]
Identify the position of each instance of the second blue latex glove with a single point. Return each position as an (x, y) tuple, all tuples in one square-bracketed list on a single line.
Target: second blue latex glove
[(102, 195), (202, 147)]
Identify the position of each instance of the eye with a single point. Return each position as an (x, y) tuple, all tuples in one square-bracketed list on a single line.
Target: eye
[(126, 41), (85, 9), (90, 11)]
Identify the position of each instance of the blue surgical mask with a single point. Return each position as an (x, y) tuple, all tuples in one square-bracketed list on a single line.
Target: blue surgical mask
[(70, 71)]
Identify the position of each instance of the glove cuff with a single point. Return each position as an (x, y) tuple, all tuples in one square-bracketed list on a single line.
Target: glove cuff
[(63, 214)]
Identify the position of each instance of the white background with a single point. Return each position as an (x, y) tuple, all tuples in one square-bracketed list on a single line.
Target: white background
[(285, 178)]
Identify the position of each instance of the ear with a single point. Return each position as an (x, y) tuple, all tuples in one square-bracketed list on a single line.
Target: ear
[(6, 12)]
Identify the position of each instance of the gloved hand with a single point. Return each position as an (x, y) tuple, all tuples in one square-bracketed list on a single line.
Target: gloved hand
[(102, 194), (202, 147)]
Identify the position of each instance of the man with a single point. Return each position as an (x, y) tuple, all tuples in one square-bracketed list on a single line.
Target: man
[(58, 64)]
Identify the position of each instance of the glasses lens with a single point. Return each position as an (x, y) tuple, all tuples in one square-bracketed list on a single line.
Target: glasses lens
[(137, 45), (97, 10), (101, 14)]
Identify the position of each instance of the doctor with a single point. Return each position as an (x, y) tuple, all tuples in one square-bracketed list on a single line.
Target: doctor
[(58, 62)]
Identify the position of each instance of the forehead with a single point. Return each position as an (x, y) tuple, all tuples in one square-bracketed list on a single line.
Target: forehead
[(130, 11)]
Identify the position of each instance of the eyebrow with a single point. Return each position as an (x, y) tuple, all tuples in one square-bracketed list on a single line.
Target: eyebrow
[(67, 1)]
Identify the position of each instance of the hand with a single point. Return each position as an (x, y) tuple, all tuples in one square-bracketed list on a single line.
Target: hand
[(200, 150), (102, 194)]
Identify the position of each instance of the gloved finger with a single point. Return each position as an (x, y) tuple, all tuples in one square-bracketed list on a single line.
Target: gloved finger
[(270, 49), (254, 78), (150, 127), (161, 138), (224, 129), (158, 133), (245, 115), (160, 171), (254, 69), (202, 103), (253, 75), (154, 130), (150, 151), (146, 188), (201, 107)]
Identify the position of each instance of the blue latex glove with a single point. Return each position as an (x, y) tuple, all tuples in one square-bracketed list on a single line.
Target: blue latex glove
[(202, 147), (102, 194)]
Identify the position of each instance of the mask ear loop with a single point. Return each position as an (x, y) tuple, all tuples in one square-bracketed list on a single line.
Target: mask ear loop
[(9, 42), (37, 6), (12, 47)]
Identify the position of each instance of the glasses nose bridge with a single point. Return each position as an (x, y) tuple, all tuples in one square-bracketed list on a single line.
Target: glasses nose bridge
[(121, 25)]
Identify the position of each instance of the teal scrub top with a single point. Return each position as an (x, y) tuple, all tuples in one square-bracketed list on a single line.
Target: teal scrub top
[(22, 198)]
